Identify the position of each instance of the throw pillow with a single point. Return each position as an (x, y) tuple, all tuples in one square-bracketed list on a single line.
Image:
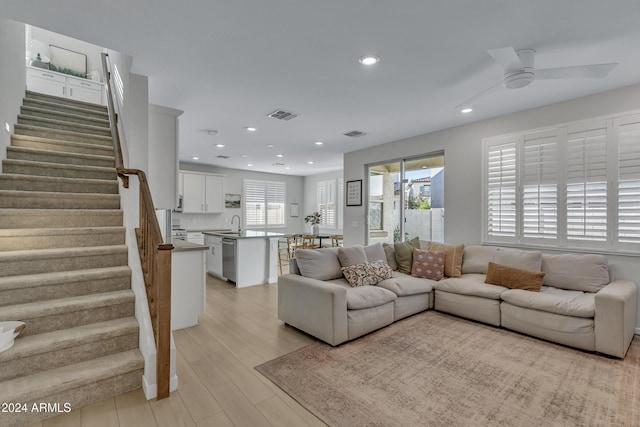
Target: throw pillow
[(428, 264), (367, 273), (391, 255), (453, 257), (404, 254), (352, 255), (514, 278)]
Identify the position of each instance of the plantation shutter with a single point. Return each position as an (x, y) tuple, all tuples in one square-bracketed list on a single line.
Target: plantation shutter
[(586, 165), (629, 181), (326, 202), (501, 189), (276, 194), (540, 189)]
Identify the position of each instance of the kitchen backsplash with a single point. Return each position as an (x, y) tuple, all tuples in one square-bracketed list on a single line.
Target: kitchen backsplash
[(201, 221)]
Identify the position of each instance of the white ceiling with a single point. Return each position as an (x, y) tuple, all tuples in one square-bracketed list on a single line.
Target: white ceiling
[(228, 64)]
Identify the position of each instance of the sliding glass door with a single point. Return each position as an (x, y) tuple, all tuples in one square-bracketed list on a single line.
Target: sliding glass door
[(406, 199)]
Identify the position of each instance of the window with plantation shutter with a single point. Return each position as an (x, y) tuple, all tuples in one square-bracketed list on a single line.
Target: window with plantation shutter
[(327, 202), (629, 180), (264, 203), (501, 189), (586, 165), (540, 186)]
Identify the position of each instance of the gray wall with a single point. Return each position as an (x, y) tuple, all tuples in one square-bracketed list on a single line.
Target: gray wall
[(308, 204), (233, 185), (12, 77)]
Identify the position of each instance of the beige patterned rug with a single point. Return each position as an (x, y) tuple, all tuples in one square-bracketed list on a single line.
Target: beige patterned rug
[(437, 370)]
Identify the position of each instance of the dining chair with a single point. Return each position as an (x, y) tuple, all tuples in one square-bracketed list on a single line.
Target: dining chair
[(294, 242), (336, 240), (284, 254), (309, 241)]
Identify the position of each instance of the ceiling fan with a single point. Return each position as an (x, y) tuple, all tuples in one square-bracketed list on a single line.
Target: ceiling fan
[(519, 71)]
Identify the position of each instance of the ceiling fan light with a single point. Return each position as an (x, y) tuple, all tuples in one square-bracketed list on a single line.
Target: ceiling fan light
[(369, 59), (518, 80), (466, 110)]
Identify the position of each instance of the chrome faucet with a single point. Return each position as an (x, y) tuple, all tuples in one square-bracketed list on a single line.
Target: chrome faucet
[(234, 217)]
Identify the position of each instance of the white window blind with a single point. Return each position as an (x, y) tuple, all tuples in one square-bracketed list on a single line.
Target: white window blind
[(629, 181), (539, 186), (586, 165), (327, 202), (501, 189), (264, 203)]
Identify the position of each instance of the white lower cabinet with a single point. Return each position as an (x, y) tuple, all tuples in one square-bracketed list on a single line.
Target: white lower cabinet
[(65, 86), (214, 255)]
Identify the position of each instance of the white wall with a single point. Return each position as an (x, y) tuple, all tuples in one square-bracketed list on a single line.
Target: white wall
[(12, 78), (463, 170), (309, 204), (163, 155), (233, 185)]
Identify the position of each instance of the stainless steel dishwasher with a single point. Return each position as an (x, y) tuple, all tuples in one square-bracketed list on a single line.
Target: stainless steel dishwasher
[(229, 259)]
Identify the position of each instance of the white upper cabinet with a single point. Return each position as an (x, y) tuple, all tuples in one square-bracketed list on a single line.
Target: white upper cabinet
[(202, 193)]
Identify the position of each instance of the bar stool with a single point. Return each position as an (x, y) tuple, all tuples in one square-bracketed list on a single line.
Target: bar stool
[(336, 240), (284, 253), (294, 242)]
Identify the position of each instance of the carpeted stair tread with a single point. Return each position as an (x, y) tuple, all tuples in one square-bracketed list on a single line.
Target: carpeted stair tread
[(50, 144), (63, 116), (56, 340), (63, 218), (40, 386), (50, 279), (66, 102), (53, 106), (66, 135), (56, 125), (49, 238), (28, 167), (52, 156), (57, 200), (40, 309), (37, 183)]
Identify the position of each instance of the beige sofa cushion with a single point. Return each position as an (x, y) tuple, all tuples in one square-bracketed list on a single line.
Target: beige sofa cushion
[(352, 255), (475, 259), (453, 257), (364, 296), (581, 272), (516, 258), (553, 300), (402, 284), (320, 264), (469, 284), (375, 252)]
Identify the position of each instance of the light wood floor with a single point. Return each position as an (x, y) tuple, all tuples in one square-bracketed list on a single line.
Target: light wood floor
[(217, 383)]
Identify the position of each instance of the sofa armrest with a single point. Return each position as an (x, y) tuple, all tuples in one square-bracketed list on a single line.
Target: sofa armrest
[(313, 306), (615, 318)]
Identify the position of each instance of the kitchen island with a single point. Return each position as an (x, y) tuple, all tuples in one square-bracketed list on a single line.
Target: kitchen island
[(188, 285), (250, 257)]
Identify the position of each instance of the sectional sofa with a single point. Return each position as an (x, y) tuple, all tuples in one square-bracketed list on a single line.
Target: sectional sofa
[(578, 304)]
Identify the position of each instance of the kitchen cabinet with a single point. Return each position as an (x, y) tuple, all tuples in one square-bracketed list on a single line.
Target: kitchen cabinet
[(188, 282), (202, 193), (63, 85), (214, 255)]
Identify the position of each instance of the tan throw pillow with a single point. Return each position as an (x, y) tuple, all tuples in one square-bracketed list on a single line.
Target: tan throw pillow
[(404, 254), (453, 257), (428, 264), (514, 278), (352, 255), (367, 273)]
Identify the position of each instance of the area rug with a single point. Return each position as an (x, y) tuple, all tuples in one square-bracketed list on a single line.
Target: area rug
[(433, 369)]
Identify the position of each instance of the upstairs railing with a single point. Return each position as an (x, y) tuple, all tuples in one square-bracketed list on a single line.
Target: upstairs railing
[(155, 255)]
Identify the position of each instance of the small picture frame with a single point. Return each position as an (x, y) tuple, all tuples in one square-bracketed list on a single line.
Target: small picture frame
[(354, 193), (232, 201), (294, 210)]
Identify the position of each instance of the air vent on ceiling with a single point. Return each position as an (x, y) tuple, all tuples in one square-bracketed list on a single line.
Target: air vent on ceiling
[(283, 115), (278, 164), (354, 134), (222, 157)]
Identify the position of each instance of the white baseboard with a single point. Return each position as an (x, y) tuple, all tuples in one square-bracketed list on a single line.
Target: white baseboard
[(151, 390), (637, 331)]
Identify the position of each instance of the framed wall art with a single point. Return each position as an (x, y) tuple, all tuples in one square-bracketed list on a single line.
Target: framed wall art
[(354, 193)]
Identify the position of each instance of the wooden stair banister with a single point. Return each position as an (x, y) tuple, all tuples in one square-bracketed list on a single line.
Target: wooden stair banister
[(155, 255)]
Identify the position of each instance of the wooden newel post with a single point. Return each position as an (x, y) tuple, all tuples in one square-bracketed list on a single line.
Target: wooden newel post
[(163, 303)]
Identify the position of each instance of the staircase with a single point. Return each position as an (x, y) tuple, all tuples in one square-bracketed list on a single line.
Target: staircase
[(63, 263)]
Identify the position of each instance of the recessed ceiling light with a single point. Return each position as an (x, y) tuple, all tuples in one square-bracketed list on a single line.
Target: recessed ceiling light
[(244, 155), (318, 142), (287, 167), (466, 110), (310, 163), (270, 145), (369, 59), (220, 145), (279, 155), (251, 129), (249, 164), (196, 158)]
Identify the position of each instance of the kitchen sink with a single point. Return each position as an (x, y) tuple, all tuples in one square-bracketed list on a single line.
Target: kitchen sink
[(230, 233)]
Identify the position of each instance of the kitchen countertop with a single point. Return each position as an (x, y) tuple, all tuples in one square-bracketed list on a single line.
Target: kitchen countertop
[(207, 230), (248, 234), (180, 245)]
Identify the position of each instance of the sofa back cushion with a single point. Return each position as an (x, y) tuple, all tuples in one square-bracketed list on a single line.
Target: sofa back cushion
[(375, 252), (475, 259), (352, 255), (516, 258), (320, 264), (579, 272)]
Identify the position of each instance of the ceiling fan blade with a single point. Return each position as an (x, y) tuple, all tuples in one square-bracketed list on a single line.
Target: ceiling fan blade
[(595, 71), (474, 98), (507, 58)]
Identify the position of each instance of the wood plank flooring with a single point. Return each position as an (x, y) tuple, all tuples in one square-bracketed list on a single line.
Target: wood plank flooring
[(217, 383)]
